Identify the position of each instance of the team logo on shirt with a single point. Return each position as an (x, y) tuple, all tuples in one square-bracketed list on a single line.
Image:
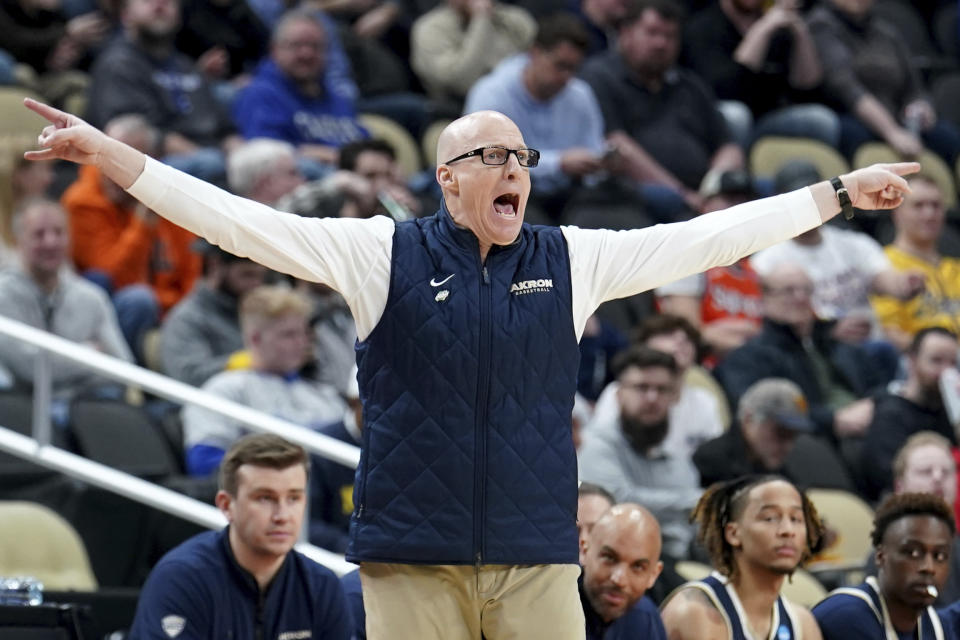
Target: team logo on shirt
[(173, 625), (295, 635), (543, 285)]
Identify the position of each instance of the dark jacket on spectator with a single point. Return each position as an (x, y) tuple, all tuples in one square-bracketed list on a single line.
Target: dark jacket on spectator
[(777, 352), (895, 419), (811, 463)]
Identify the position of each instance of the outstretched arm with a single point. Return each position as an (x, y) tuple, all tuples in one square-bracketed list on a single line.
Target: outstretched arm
[(350, 255)]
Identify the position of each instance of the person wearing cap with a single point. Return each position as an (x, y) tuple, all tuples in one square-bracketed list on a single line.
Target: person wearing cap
[(912, 539), (772, 414), (846, 267), (724, 303)]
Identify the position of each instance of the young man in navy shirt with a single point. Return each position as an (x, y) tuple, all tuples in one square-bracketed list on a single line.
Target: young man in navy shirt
[(913, 537), (246, 581)]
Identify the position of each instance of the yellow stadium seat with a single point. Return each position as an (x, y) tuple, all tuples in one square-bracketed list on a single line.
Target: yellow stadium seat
[(408, 154), (770, 153), (803, 589), (428, 141), (851, 519), (690, 570), (16, 119), (933, 166), (36, 542)]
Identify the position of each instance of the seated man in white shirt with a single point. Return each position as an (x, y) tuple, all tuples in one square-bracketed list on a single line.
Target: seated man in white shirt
[(700, 411), (274, 321)]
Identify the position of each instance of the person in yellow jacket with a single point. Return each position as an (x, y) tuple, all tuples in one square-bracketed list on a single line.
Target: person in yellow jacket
[(919, 222)]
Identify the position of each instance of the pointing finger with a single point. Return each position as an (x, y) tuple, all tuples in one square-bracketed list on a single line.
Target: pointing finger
[(52, 114), (902, 168)]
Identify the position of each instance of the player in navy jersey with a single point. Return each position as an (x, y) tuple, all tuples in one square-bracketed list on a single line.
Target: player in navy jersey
[(912, 536), (757, 530)]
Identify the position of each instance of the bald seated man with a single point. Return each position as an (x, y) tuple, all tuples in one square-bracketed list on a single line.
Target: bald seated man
[(621, 560), (467, 323)]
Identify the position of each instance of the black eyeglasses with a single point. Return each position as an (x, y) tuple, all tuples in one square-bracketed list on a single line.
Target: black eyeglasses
[(499, 155)]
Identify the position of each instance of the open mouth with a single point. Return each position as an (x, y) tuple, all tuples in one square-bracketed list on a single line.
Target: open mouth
[(507, 204)]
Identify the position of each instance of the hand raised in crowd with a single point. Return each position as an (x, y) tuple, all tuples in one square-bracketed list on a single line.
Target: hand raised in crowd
[(88, 29), (905, 143), (214, 63), (479, 8), (853, 419), (580, 162)]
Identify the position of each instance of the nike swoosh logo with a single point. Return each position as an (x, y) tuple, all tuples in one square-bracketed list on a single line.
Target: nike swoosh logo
[(434, 283)]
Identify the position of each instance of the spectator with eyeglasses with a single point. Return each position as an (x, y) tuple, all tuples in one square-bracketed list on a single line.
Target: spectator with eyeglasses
[(467, 322), (291, 98), (836, 377)]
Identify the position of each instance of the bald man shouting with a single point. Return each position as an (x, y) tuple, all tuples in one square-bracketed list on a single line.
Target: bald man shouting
[(468, 323), (621, 560)]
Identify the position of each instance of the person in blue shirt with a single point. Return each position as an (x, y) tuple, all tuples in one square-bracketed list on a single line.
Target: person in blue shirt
[(557, 113), (621, 560), (912, 537), (290, 97), (757, 530), (246, 581)]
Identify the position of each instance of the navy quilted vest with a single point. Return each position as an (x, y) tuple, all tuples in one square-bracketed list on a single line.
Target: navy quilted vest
[(467, 385)]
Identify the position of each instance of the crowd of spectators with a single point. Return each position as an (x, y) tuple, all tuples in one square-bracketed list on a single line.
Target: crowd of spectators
[(817, 359)]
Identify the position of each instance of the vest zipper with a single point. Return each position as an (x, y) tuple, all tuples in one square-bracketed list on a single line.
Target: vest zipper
[(480, 430)]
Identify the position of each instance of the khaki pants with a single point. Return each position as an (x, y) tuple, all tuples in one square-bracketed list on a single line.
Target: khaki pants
[(451, 602)]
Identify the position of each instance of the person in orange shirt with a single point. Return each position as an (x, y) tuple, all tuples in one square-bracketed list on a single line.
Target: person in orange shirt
[(146, 263), (723, 303)]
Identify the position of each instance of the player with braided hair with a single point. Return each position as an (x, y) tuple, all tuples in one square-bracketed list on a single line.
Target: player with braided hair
[(757, 530), (912, 537)]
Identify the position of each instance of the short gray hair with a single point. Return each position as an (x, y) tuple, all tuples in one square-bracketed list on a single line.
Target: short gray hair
[(125, 126), (253, 160)]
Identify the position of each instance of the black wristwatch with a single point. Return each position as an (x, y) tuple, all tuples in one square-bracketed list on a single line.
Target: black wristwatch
[(843, 197)]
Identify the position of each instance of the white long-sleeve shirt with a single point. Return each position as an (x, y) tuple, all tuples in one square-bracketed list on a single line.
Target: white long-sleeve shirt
[(353, 256)]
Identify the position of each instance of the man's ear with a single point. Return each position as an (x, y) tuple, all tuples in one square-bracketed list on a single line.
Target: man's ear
[(731, 533), (584, 545), (655, 574), (223, 500), (447, 180)]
